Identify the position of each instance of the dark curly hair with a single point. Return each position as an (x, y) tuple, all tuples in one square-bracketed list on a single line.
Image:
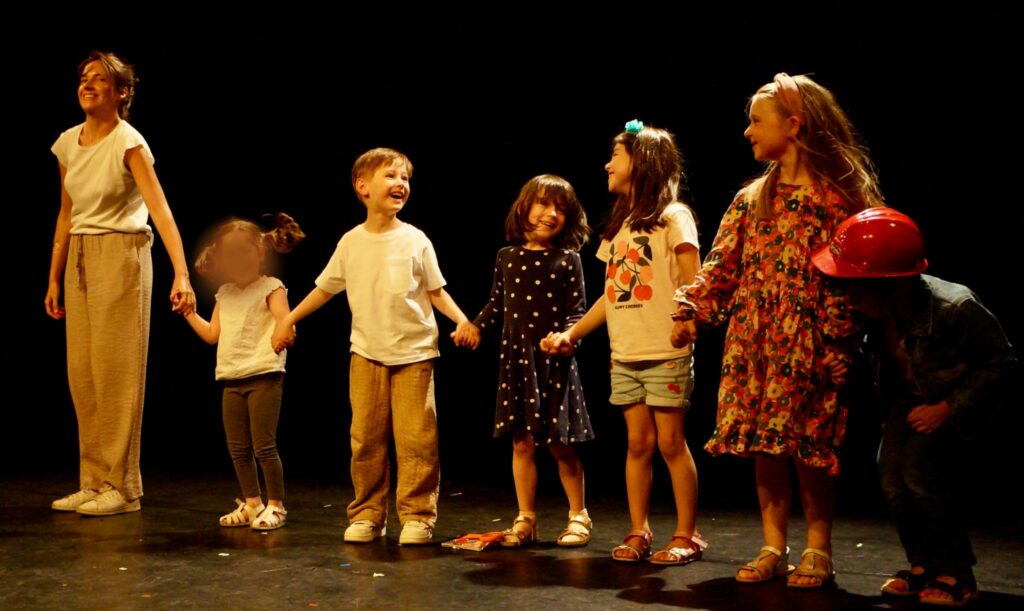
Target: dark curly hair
[(548, 188)]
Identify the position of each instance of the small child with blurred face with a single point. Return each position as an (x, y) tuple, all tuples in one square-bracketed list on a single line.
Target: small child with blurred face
[(249, 304), (390, 273)]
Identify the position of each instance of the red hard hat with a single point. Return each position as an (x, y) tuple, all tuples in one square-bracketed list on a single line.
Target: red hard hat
[(874, 243)]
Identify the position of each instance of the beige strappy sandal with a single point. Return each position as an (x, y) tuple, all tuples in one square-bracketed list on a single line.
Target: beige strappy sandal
[(511, 537), (823, 572), (577, 533), (242, 516), (756, 567), (271, 518)]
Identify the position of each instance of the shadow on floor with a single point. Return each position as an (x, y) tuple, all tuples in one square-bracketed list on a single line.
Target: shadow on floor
[(645, 583)]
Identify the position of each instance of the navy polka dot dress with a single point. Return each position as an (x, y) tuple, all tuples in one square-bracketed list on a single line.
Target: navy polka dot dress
[(536, 292)]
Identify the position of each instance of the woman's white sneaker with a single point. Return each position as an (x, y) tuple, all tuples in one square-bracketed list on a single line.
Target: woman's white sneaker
[(108, 503), (74, 500)]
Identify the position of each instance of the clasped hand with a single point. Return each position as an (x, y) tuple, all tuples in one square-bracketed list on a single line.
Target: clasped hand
[(466, 335), (558, 344), (284, 337)]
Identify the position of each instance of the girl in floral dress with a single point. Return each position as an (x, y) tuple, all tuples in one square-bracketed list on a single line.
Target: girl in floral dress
[(786, 346)]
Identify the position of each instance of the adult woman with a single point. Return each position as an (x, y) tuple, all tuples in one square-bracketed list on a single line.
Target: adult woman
[(108, 191)]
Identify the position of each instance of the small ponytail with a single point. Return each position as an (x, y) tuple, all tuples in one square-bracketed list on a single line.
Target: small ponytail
[(285, 235)]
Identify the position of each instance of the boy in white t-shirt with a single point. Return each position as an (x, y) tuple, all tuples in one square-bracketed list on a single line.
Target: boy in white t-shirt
[(389, 270)]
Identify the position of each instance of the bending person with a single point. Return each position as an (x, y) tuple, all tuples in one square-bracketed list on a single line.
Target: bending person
[(942, 363)]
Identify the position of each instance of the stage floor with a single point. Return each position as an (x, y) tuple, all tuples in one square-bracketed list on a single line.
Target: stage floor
[(173, 554)]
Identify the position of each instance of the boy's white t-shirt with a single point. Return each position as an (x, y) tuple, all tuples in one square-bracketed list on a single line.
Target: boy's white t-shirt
[(246, 326), (387, 276), (641, 277), (104, 196)]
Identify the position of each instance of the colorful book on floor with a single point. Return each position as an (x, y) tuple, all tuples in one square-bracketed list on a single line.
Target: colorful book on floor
[(475, 541)]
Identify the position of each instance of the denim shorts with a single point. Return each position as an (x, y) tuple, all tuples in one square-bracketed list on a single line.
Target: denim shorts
[(665, 383)]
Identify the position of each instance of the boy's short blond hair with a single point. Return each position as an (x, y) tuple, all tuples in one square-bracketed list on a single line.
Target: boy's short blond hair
[(374, 159)]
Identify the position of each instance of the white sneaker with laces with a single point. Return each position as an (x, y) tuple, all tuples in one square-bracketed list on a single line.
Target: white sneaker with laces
[(108, 503), (363, 531), (74, 500), (415, 532)]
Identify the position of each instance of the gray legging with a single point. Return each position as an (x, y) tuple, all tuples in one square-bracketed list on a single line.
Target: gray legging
[(251, 409)]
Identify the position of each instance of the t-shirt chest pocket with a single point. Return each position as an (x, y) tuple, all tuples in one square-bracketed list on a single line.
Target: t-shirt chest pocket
[(399, 276)]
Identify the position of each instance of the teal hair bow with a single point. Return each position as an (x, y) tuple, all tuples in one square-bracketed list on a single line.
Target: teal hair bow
[(634, 126)]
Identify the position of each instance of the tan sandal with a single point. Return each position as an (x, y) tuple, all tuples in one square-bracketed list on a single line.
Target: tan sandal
[(577, 532), (510, 537), (271, 518), (242, 516), (691, 550), (628, 553), (780, 569), (823, 572)]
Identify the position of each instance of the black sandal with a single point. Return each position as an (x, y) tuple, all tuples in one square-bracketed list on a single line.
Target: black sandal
[(961, 592), (915, 582)]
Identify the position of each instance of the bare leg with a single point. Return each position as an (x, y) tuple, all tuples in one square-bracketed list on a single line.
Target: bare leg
[(817, 494), (642, 437), (524, 473), (681, 468), (570, 471), (775, 493)]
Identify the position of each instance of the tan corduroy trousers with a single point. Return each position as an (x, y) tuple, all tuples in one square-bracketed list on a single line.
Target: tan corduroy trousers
[(397, 399), (108, 287)]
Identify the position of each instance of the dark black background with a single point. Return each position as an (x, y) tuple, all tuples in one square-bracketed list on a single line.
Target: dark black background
[(268, 115)]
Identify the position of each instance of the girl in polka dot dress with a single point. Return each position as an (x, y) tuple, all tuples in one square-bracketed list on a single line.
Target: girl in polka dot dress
[(538, 288), (649, 248)]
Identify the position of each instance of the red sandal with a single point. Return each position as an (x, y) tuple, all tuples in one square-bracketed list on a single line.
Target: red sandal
[(634, 554), (691, 550)]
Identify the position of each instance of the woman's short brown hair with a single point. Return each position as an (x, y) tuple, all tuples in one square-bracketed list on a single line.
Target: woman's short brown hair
[(548, 188), (122, 74)]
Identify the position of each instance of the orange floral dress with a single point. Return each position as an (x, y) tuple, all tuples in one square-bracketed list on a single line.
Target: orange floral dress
[(775, 396)]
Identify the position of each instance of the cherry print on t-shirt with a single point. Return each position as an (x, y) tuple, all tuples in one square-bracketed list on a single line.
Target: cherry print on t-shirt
[(630, 271)]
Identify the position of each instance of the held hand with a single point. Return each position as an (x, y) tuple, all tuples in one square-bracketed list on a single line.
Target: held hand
[(466, 335), (284, 337), (684, 332), (928, 418), (835, 368), (558, 344), (183, 298), (53, 308)]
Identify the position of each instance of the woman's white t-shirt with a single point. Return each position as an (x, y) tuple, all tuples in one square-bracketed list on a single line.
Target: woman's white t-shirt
[(104, 196), (246, 326)]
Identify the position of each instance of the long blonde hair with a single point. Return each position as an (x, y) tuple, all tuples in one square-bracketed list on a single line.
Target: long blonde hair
[(828, 145)]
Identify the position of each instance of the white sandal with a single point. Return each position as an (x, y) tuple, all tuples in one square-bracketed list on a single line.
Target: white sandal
[(271, 518), (242, 516), (577, 533)]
